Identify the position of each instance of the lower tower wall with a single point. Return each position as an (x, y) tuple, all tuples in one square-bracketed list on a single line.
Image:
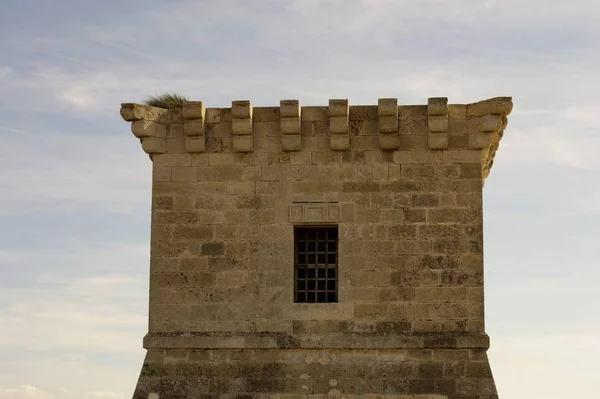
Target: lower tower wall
[(287, 371)]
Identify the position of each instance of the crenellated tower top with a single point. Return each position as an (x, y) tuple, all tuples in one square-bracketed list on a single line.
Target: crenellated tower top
[(387, 126)]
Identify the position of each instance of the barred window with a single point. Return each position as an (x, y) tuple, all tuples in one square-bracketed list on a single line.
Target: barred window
[(315, 264)]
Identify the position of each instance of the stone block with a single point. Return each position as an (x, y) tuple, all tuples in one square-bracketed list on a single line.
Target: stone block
[(387, 107), (201, 233), (338, 107), (457, 118), (314, 114), (184, 173), (290, 125), (314, 213), (194, 127), (459, 156), (437, 123), (143, 128), (457, 142), (362, 113), (154, 145), (300, 158), (243, 143), (437, 141), (492, 106), (418, 171), (388, 124), (479, 141), (437, 106), (174, 115), (172, 159), (227, 158), (471, 171), (338, 125), (265, 114), (213, 115), (364, 128), (339, 142), (491, 123), (195, 144), (241, 126), (175, 131), (161, 130), (161, 173), (289, 108), (241, 188), (132, 112), (292, 143), (266, 129), (176, 146), (193, 110), (199, 159), (241, 109)]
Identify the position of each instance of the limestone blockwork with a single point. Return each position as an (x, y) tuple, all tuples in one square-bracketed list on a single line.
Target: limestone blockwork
[(402, 183)]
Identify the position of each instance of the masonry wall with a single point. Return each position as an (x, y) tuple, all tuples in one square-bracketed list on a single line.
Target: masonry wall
[(410, 313)]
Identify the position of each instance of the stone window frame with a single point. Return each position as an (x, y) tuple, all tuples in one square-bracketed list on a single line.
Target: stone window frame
[(324, 275)]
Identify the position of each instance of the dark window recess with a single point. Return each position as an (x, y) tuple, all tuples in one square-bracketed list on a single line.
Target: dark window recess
[(315, 264)]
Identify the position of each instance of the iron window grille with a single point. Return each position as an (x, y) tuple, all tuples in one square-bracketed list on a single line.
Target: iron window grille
[(315, 264)]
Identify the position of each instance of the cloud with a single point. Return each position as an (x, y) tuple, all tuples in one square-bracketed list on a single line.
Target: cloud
[(10, 257), (25, 392), (93, 299), (4, 71), (547, 137), (103, 395), (561, 364), (68, 171), (31, 392), (411, 48)]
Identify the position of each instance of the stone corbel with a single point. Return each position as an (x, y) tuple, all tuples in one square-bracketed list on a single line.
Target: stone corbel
[(387, 113), (437, 122), (339, 134), (486, 121), (290, 116), (194, 116), (149, 125), (241, 126)]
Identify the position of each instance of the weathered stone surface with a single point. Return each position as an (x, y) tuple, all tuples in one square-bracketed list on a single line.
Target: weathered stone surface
[(291, 143), (438, 124), (193, 110), (437, 141), (387, 107), (243, 143), (339, 142), (229, 187)]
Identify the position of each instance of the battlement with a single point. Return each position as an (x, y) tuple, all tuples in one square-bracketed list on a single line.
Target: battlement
[(339, 126)]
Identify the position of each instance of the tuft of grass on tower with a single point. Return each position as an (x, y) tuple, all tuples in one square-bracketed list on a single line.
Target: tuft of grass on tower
[(166, 100)]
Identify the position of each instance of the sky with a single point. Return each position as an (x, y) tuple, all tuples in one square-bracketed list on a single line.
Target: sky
[(75, 184)]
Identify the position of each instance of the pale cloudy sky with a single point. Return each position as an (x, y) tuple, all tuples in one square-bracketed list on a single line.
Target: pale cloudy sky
[(75, 184)]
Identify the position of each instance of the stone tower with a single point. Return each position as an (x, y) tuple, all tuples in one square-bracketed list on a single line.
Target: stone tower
[(322, 251)]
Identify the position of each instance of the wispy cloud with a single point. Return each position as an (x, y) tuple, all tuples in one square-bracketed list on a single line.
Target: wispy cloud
[(4, 71), (25, 392), (53, 170), (31, 392), (554, 357)]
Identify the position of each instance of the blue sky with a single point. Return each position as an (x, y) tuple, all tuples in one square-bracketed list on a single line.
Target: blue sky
[(74, 206)]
